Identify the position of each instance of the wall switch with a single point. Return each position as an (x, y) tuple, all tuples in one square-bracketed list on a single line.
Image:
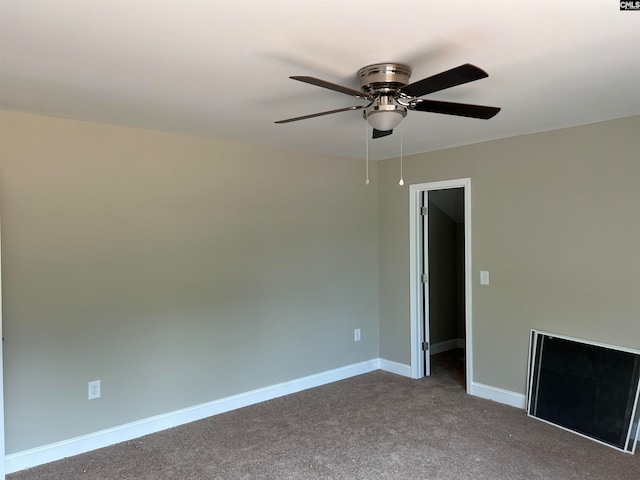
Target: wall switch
[(356, 335), (484, 277), (94, 389)]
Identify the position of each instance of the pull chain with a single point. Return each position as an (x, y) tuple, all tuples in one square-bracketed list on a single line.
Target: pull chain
[(366, 142), (401, 182)]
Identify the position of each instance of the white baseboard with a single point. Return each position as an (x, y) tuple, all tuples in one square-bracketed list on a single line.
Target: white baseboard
[(498, 395), (447, 345), (395, 367), (477, 389), (85, 443)]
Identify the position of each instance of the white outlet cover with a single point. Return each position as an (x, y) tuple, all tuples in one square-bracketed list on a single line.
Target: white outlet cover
[(94, 390)]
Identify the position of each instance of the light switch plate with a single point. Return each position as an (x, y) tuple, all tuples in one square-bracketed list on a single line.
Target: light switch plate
[(484, 277)]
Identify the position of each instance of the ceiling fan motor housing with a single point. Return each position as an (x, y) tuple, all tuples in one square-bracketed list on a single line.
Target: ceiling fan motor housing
[(384, 78)]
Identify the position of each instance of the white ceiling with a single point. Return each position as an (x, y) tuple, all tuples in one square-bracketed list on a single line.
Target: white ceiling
[(220, 68)]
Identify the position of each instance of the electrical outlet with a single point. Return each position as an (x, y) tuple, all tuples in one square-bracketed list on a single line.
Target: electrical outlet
[(94, 389), (356, 335)]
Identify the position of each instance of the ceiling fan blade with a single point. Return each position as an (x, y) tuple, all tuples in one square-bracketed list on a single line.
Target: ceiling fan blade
[(381, 133), (456, 76), (328, 112), (451, 108), (332, 86)]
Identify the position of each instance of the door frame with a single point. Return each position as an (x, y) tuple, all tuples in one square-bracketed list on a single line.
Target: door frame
[(415, 270), (2, 446)]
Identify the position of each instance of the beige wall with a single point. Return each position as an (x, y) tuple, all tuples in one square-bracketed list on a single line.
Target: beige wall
[(556, 221), (177, 270)]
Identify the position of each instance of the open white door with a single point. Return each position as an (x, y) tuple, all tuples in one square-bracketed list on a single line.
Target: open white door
[(419, 285), (2, 456), (424, 278)]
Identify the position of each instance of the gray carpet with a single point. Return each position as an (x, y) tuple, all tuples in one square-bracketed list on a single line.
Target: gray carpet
[(374, 426)]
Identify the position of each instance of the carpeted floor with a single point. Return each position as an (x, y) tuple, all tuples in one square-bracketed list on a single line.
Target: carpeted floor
[(374, 426)]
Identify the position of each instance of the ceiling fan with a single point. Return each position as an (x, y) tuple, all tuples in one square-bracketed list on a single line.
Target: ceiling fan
[(386, 86)]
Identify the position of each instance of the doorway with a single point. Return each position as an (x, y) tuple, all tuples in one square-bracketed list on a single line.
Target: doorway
[(440, 256), (444, 296)]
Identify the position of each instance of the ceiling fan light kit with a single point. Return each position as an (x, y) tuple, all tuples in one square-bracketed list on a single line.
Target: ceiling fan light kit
[(384, 116)]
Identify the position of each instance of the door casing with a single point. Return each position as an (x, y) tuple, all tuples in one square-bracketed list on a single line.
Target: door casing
[(416, 256), (2, 450)]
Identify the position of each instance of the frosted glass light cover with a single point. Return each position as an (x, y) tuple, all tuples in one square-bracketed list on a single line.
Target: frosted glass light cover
[(385, 120)]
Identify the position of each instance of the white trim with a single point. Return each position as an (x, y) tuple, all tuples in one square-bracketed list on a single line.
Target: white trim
[(436, 348), (85, 443), (395, 367), (415, 292), (415, 295), (499, 395), (2, 456)]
